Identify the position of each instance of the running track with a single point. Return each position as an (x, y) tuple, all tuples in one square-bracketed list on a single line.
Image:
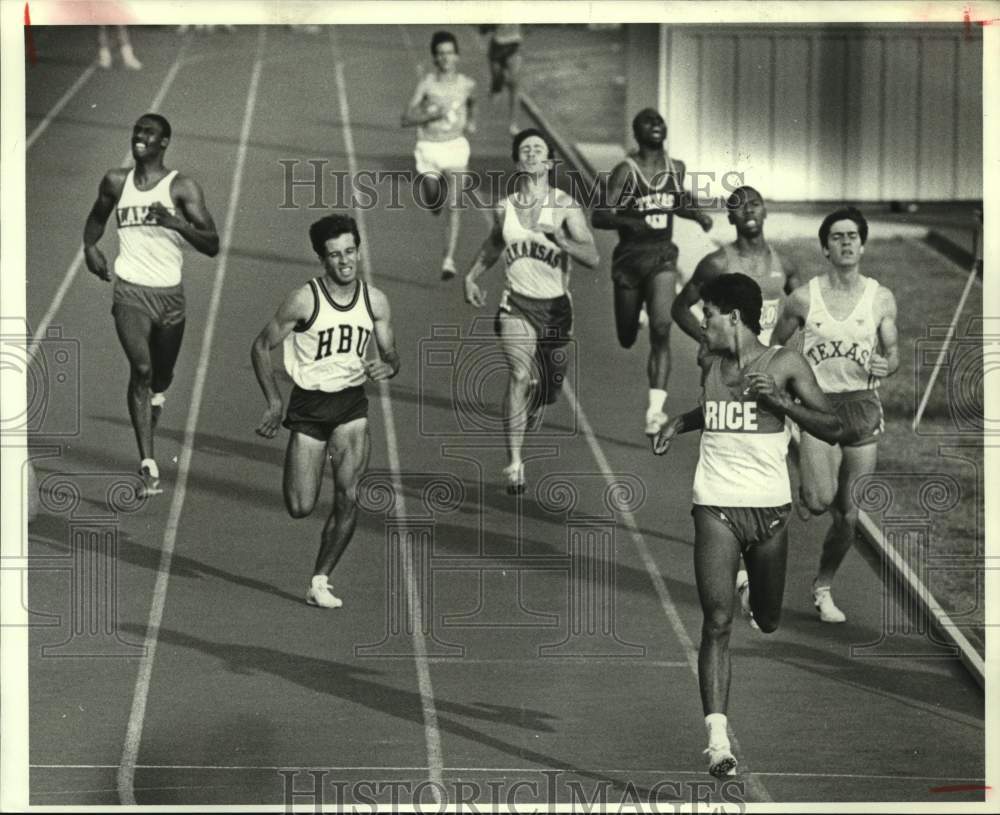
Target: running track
[(220, 676)]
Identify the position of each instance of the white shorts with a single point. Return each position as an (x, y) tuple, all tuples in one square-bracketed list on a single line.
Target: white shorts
[(435, 157)]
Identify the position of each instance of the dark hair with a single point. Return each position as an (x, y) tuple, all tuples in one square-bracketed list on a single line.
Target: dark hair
[(642, 113), (440, 37), (165, 129), (735, 291), (736, 197), (332, 226), (843, 214), (527, 134)]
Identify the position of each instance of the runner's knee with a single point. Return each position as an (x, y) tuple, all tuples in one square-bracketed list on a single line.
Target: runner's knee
[(718, 623), (817, 500), (141, 373), (299, 506)]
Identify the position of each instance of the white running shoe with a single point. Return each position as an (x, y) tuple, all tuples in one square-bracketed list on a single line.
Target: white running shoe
[(721, 761), (129, 60), (156, 402), (828, 611), (448, 270), (104, 58), (150, 475), (319, 594), (655, 421), (643, 317), (513, 476), (743, 591)]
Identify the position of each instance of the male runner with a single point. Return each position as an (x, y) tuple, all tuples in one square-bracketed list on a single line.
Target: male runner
[(850, 339), (443, 110), (157, 210), (644, 194), (325, 326), (505, 66), (742, 496), (538, 229)]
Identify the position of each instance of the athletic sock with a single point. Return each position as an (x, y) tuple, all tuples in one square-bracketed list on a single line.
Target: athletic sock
[(657, 399), (715, 723), (320, 581), (150, 465)]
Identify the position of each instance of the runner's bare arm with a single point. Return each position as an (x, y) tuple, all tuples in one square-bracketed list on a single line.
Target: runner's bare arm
[(790, 378), (387, 365), (606, 215), (197, 226), (686, 206), (470, 109), (708, 268), (886, 363), (296, 308), (414, 114), (488, 254), (792, 316), (692, 420), (793, 277), (577, 240), (108, 194)]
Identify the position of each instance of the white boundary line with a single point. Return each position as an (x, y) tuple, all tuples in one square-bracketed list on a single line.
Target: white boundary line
[(77, 262), (56, 109), (133, 736), (432, 733)]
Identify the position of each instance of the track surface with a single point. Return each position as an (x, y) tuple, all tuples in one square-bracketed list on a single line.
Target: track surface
[(513, 676)]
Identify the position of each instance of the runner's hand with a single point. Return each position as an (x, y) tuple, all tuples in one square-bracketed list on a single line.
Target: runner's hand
[(661, 441), (473, 294), (765, 389), (270, 421), (96, 262), (878, 365), (161, 216), (377, 370)]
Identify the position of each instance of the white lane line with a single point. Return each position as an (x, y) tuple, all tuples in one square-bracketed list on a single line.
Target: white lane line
[(77, 262), (432, 733), (133, 736), (56, 109)]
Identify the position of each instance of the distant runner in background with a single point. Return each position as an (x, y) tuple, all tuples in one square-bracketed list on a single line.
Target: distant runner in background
[(505, 65), (644, 194), (848, 324), (443, 110)]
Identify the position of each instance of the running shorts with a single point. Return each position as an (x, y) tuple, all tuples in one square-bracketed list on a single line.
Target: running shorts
[(163, 304), (434, 157), (861, 414), (750, 525), (633, 263), (318, 413), (552, 320)]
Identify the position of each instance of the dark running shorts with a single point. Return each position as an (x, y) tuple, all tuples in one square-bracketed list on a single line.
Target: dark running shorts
[(632, 264), (317, 413), (163, 304), (502, 51), (861, 414), (750, 525), (553, 323)]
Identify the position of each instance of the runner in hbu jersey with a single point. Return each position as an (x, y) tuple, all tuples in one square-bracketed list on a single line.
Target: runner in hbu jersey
[(848, 324), (538, 230), (742, 496), (443, 109), (644, 194), (157, 211), (326, 327)]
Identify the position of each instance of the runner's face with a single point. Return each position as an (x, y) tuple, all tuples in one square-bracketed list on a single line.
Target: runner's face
[(341, 259), (716, 328), (446, 57), (843, 244), (651, 129), (147, 139), (533, 156), (748, 217)]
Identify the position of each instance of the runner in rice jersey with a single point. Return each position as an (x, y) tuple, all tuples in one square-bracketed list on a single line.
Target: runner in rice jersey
[(741, 491), (644, 194), (326, 327), (538, 230), (157, 210), (849, 334)]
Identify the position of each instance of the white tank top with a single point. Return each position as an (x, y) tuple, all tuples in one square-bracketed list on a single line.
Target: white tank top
[(742, 460), (452, 97), (840, 350), (536, 266), (769, 275), (148, 255), (326, 353)]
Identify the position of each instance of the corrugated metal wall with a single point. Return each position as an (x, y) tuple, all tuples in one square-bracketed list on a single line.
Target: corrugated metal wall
[(831, 112)]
